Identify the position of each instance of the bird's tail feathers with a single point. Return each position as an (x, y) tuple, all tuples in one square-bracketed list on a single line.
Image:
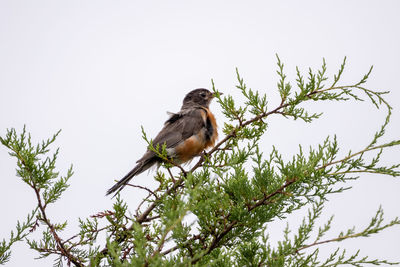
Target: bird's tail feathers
[(139, 168)]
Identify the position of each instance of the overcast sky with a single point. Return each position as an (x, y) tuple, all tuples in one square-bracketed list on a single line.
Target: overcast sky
[(99, 70)]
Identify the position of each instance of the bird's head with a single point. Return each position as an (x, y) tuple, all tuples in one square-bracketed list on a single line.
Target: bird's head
[(198, 97)]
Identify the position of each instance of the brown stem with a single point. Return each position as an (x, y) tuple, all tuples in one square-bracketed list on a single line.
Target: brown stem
[(325, 241), (276, 192), (60, 245), (144, 188)]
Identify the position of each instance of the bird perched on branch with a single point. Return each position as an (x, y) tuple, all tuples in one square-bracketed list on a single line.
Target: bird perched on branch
[(185, 134)]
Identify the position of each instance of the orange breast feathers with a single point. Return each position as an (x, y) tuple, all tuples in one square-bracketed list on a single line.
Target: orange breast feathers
[(195, 144)]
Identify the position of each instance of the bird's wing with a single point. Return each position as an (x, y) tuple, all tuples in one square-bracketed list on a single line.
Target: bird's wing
[(179, 127)]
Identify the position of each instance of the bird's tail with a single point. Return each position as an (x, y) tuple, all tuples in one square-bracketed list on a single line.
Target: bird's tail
[(139, 168)]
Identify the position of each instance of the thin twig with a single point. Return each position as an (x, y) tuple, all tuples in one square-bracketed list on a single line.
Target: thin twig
[(144, 188), (58, 240)]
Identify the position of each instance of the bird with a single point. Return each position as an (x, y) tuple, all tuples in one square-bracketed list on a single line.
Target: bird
[(186, 134)]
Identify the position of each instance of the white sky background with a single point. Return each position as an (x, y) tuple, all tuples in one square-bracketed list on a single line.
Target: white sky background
[(99, 70)]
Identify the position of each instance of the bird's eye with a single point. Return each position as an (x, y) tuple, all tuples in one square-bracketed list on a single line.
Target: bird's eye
[(203, 95)]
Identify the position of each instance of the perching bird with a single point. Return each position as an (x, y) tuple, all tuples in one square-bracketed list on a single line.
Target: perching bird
[(186, 134)]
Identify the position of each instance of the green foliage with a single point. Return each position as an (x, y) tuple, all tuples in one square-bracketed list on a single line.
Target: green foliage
[(217, 212)]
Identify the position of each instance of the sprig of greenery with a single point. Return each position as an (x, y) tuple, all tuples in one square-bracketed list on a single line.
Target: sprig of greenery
[(40, 174), (22, 231)]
